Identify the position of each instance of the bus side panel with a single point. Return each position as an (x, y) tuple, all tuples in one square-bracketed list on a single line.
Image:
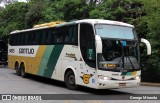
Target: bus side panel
[(50, 61), (11, 62), (37, 60), (30, 59), (69, 56), (86, 75), (44, 60), (56, 63)]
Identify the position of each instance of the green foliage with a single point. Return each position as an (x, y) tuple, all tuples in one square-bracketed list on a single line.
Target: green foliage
[(1, 8), (34, 14), (76, 9), (53, 11), (152, 20), (66, 10), (12, 18), (126, 10)]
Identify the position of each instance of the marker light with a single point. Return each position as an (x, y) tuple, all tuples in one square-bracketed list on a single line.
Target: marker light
[(104, 77)]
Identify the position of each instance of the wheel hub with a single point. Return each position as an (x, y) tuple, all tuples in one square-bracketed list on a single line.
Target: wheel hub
[(72, 80)]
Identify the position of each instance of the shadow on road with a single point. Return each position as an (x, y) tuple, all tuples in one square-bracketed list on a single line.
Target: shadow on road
[(3, 66)]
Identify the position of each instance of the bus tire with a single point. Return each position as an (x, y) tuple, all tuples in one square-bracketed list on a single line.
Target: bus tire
[(70, 80), (17, 69), (22, 69)]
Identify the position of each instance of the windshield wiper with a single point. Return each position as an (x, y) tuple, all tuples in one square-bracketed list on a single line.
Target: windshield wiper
[(130, 59), (122, 57)]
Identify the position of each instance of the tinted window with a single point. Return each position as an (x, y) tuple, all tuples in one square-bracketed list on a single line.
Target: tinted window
[(66, 35), (87, 44), (51, 36)]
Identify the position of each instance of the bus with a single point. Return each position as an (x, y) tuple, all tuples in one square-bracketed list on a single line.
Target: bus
[(94, 53), (3, 53)]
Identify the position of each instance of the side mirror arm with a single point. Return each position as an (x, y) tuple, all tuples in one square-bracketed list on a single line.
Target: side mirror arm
[(98, 44), (148, 45)]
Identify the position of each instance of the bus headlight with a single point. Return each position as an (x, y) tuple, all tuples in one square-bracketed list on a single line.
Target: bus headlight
[(104, 77), (137, 78)]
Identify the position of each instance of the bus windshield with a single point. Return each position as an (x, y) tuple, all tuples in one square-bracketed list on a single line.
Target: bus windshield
[(115, 55), (114, 31), (120, 49)]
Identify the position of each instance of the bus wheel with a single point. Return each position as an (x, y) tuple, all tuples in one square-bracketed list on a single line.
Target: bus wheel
[(70, 80), (17, 69), (22, 69)]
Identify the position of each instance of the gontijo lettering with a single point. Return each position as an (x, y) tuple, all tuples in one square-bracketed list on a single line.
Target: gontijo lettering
[(26, 51), (11, 50)]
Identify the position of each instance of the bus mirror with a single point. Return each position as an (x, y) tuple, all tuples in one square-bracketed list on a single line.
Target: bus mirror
[(98, 44), (147, 43)]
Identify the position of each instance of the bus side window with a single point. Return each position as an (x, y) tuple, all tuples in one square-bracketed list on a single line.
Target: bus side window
[(18, 39), (34, 34), (73, 34), (36, 37), (43, 36), (14, 39), (50, 39), (46, 39), (31, 38), (22, 38), (58, 35), (66, 35), (11, 39), (51, 36), (87, 44), (28, 39)]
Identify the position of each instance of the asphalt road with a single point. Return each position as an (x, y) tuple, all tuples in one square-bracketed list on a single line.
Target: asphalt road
[(10, 83)]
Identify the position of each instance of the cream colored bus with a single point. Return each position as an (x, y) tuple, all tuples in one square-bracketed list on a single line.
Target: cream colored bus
[(95, 53)]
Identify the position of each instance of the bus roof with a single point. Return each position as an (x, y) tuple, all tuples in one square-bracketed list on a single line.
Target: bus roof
[(50, 24), (102, 21), (91, 21)]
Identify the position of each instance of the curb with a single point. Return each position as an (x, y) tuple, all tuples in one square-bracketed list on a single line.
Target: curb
[(150, 84)]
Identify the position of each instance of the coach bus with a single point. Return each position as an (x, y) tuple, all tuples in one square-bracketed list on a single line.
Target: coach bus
[(95, 53)]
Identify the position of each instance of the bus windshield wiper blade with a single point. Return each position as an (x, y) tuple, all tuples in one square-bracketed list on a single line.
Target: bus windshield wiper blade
[(130, 59), (122, 57)]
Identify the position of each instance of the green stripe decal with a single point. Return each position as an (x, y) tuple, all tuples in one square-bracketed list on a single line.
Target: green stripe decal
[(45, 59), (53, 60), (126, 73)]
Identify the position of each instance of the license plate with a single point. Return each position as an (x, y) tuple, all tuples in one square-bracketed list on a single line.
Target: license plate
[(122, 84)]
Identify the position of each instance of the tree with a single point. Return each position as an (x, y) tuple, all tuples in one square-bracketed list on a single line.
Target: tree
[(34, 14), (76, 9), (120, 10), (12, 18), (152, 10), (1, 8), (66, 10)]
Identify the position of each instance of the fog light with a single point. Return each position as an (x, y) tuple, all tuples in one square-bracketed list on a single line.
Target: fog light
[(137, 78), (104, 77)]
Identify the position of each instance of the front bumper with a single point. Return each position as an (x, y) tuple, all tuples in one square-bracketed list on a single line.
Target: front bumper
[(108, 84)]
